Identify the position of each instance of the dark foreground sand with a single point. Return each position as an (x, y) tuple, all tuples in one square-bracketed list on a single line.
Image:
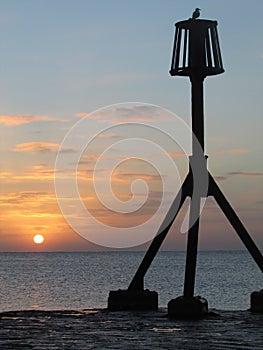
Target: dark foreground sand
[(100, 329)]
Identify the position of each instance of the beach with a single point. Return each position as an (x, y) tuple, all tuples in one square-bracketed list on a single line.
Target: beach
[(101, 329)]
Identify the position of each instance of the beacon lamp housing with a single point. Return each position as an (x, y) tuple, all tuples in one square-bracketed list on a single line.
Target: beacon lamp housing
[(196, 49)]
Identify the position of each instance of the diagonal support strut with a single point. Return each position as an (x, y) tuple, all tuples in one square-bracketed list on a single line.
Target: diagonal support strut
[(234, 220), (137, 282)]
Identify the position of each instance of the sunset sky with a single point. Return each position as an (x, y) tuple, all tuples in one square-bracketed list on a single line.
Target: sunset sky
[(62, 60)]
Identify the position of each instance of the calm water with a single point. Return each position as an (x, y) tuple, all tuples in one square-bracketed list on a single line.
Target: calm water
[(82, 280)]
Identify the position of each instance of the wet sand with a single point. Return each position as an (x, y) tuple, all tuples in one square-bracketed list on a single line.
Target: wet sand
[(100, 329)]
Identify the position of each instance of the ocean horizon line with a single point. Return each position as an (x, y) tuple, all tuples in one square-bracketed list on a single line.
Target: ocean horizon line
[(122, 251)]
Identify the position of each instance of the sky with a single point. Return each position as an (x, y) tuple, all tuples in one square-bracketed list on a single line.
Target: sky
[(61, 61)]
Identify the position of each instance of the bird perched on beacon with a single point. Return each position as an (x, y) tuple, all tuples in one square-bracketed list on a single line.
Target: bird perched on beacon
[(196, 13)]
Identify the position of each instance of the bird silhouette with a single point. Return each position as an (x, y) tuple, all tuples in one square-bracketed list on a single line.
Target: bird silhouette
[(196, 13)]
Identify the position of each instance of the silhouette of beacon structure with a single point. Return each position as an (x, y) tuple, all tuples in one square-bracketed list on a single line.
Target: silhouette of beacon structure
[(196, 54)]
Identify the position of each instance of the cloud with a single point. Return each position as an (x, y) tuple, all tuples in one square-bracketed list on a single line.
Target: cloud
[(87, 158), (13, 120), (39, 173), (235, 151), (42, 147), (245, 173), (17, 198), (128, 177), (220, 178), (237, 173), (43, 173), (133, 119), (82, 115), (5, 174), (107, 136), (133, 113), (28, 208), (68, 150), (176, 154)]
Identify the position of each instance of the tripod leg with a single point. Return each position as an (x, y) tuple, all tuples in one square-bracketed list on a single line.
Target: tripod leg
[(137, 281), (215, 191), (192, 243)]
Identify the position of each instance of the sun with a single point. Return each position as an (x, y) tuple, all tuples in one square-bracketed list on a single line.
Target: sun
[(38, 239)]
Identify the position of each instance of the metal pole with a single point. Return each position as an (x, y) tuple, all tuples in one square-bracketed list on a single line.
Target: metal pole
[(192, 243), (198, 155), (197, 114)]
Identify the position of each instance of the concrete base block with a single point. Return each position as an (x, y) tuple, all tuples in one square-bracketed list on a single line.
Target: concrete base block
[(133, 300), (188, 307), (256, 301)]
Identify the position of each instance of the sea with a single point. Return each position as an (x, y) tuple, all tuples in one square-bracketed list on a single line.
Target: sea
[(82, 280)]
